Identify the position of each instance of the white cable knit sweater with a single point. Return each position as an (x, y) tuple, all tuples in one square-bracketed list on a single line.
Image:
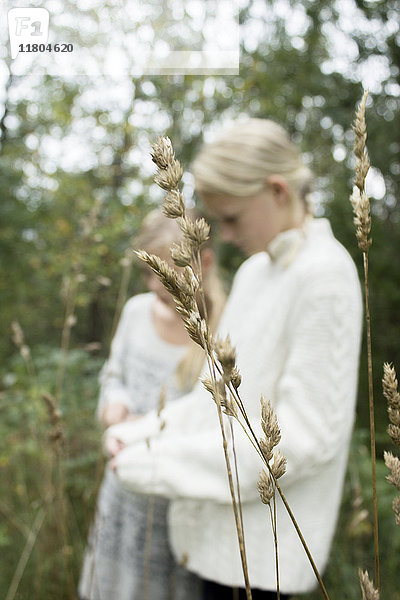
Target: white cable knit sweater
[(294, 315)]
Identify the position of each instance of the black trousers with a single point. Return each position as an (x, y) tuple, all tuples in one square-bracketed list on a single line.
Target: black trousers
[(215, 591)]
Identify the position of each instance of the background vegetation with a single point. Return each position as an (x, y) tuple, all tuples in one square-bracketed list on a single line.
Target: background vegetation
[(75, 182)]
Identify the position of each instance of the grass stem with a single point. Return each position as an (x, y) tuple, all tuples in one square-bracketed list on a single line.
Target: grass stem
[(372, 423), (27, 551)]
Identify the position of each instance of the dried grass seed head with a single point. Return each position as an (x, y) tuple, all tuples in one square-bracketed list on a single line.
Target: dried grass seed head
[(394, 433), (162, 152), (52, 409), (174, 205), (270, 427), (393, 464), (205, 335), (236, 378), (209, 384), (226, 354), (189, 307), (396, 510), (390, 386), (169, 178), (170, 279), (17, 334), (360, 130), (390, 391), (218, 391), (193, 325), (25, 352), (359, 199), (367, 588), (229, 408), (362, 218), (359, 126), (181, 254), (361, 170), (278, 467), (56, 435), (267, 449), (196, 232), (191, 279), (265, 487), (227, 403), (269, 422)]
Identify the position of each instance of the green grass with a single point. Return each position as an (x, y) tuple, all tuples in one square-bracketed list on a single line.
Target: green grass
[(29, 471)]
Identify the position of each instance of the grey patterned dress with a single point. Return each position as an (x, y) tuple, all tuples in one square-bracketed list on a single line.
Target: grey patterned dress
[(128, 555)]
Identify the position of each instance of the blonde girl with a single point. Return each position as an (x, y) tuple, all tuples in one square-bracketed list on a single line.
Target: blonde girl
[(152, 361), (294, 315)]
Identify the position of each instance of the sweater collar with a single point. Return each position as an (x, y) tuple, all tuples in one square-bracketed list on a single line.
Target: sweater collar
[(286, 245)]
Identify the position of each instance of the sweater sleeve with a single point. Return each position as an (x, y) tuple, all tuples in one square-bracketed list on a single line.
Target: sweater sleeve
[(184, 459), (184, 466)]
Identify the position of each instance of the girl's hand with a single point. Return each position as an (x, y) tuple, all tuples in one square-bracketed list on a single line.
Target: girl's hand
[(113, 446), (132, 417), (114, 413)]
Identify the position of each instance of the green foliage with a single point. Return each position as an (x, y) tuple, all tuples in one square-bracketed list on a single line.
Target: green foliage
[(41, 478), (50, 244), (354, 537)]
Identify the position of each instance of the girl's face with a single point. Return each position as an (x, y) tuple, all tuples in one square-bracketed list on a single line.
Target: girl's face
[(250, 223)]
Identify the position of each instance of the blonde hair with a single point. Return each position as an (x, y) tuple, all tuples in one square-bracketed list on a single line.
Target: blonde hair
[(240, 160), (158, 232)]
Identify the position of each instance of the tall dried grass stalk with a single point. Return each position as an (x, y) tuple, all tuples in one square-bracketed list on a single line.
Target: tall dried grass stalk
[(26, 553), (226, 355), (224, 379), (56, 438), (362, 221), (236, 502)]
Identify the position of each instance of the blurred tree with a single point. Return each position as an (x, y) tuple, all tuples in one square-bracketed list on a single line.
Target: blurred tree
[(287, 73)]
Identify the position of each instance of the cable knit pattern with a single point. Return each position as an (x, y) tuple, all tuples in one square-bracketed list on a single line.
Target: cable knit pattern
[(294, 316)]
